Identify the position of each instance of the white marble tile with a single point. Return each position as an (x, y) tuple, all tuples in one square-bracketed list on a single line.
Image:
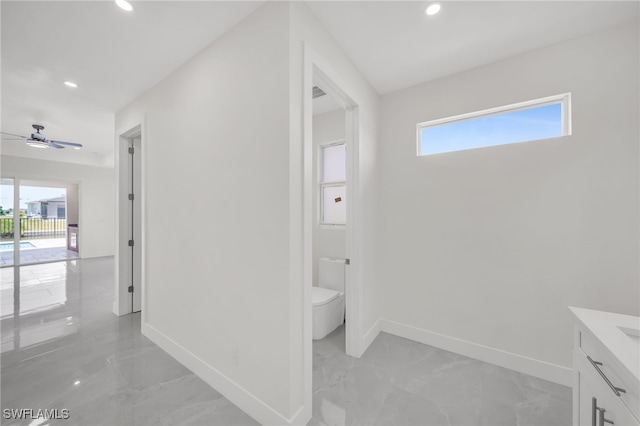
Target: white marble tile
[(77, 355), (408, 383), (405, 408)]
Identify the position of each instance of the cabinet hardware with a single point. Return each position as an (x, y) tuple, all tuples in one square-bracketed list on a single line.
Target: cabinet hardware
[(594, 408), (602, 419), (606, 379)]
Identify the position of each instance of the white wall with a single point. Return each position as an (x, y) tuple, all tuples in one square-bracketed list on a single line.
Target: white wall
[(327, 242), (491, 245), (235, 279), (96, 192), (217, 138)]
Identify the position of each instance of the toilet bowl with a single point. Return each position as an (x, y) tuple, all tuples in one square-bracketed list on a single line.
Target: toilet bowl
[(328, 297)]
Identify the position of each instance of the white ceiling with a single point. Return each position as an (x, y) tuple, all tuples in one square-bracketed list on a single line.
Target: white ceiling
[(395, 45), (115, 56)]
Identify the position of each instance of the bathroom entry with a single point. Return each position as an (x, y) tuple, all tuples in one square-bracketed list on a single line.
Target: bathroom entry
[(330, 199)]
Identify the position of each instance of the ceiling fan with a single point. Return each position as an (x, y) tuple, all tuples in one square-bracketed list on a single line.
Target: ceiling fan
[(37, 140)]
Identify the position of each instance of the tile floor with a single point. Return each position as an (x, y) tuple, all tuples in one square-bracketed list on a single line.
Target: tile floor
[(63, 348), (47, 250), (401, 382)]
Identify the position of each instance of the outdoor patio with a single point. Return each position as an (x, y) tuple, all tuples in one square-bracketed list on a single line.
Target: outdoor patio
[(44, 250)]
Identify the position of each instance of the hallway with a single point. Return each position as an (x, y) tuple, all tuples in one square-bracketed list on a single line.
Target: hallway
[(62, 348)]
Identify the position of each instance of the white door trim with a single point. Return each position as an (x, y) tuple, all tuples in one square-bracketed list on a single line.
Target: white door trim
[(316, 69), (122, 303)]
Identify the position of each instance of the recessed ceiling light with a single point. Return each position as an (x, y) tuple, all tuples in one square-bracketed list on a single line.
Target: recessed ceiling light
[(124, 4), (70, 84), (433, 8)]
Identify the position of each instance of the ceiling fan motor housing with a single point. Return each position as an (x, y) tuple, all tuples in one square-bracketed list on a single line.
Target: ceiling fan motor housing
[(38, 140)]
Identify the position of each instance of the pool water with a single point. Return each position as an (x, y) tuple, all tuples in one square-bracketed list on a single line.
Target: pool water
[(9, 246)]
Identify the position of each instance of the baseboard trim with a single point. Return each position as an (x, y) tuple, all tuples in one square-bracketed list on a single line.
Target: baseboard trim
[(370, 336), (533, 367), (231, 390), (301, 417)]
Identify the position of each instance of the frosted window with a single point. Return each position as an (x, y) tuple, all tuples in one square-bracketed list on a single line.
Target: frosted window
[(333, 169), (334, 209), (537, 120)]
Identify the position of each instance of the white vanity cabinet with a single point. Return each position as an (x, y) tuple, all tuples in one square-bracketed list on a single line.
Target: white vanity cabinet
[(598, 405), (606, 362)]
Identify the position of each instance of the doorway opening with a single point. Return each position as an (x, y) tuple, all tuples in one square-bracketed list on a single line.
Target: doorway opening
[(39, 222), (129, 245), (317, 74), (330, 205)]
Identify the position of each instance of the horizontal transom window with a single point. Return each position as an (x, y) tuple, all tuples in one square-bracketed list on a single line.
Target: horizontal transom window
[(526, 121)]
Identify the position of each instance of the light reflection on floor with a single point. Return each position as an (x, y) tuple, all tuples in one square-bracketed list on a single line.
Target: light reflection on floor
[(34, 298), (62, 347)]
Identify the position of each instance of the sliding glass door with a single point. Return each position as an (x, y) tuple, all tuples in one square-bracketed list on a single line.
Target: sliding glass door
[(36, 230)]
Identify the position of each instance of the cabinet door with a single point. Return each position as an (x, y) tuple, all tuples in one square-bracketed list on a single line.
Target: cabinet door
[(589, 398), (615, 412), (599, 406)]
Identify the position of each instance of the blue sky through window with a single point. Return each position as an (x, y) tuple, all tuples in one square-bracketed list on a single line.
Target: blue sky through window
[(28, 193), (504, 128)]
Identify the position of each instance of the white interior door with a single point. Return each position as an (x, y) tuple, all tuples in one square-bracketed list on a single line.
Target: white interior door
[(135, 225)]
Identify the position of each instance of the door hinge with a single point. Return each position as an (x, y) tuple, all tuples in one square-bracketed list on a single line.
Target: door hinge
[(131, 150), (347, 261), (130, 289), (130, 197), (130, 243)]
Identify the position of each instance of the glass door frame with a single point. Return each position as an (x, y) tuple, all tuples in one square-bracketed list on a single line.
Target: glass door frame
[(15, 214), (17, 185), (16, 221)]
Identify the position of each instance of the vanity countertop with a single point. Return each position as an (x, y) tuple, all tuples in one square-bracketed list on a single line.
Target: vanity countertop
[(620, 335)]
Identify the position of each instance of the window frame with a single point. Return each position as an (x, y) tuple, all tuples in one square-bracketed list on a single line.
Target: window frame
[(322, 184), (563, 99)]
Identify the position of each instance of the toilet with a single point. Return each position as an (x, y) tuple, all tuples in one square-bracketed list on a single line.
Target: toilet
[(328, 297)]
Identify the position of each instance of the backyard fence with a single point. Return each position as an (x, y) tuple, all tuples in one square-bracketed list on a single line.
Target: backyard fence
[(33, 228)]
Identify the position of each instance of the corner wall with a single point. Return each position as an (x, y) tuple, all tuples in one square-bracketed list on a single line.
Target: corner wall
[(217, 214), (491, 245)]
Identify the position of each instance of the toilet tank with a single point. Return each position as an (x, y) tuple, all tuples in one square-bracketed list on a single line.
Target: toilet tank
[(331, 273)]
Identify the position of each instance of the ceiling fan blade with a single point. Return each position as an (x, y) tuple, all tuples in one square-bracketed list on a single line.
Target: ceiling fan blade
[(55, 145), (77, 145), (11, 134)]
